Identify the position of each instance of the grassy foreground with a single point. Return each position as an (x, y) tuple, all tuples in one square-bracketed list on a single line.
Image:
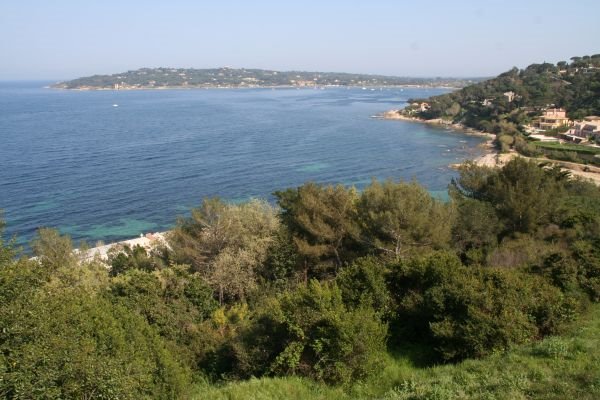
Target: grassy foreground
[(561, 367)]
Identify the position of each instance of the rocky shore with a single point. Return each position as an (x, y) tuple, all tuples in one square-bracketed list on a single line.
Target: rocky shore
[(492, 157), (397, 115)]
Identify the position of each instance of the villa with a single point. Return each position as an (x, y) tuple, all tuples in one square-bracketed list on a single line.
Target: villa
[(590, 126), (553, 118)]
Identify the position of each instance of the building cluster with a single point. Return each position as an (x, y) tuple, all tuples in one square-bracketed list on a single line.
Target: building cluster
[(584, 130), (575, 131), (418, 107), (510, 97)]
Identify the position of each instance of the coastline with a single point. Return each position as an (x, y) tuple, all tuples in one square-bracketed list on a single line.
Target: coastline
[(397, 116), (148, 241), (492, 157), (91, 88)]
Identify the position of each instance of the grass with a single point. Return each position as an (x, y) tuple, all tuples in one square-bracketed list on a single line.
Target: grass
[(559, 367), (568, 147)]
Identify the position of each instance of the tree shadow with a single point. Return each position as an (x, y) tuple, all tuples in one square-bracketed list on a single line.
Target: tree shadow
[(419, 354)]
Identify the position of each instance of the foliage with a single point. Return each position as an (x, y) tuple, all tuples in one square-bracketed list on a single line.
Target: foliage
[(61, 338), (83, 351), (523, 195), (568, 147), (472, 312), (485, 105), (174, 301), (7, 250), (321, 220), (325, 340), (555, 368), (476, 229), (52, 249), (312, 290), (125, 258), (226, 244), (282, 266), (364, 284), (399, 218)]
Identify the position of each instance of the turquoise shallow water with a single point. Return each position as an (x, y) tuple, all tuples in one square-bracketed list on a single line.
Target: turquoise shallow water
[(97, 172)]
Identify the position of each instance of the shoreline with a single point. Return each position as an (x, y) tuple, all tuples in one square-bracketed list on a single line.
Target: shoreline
[(91, 89), (148, 241), (492, 158), (394, 115)]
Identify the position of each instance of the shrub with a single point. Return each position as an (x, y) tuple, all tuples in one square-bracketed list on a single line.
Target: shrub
[(471, 312), (363, 283), (173, 301), (70, 344), (504, 142), (310, 332)]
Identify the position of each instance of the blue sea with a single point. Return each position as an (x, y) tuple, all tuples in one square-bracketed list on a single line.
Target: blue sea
[(109, 165)]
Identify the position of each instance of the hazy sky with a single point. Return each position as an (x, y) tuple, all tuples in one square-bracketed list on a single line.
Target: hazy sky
[(60, 39)]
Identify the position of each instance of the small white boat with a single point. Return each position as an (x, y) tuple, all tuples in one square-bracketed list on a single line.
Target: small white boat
[(115, 105)]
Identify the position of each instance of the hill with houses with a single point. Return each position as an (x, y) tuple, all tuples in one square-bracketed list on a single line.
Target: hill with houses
[(526, 108), (226, 77)]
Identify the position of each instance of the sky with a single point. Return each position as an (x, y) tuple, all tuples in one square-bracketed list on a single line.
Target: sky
[(62, 39)]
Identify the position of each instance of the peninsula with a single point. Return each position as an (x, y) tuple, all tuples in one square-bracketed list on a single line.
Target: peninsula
[(226, 77)]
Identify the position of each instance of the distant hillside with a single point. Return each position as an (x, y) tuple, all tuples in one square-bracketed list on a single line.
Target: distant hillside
[(157, 78), (511, 100)]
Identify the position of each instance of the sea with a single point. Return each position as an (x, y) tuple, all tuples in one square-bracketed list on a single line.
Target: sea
[(110, 165)]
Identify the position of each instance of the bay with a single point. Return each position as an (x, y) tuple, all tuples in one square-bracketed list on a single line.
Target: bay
[(109, 165)]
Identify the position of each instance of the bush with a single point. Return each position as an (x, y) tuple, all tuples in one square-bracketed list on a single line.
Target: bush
[(471, 312), (363, 283), (70, 344), (173, 301), (505, 141), (125, 258), (310, 332)]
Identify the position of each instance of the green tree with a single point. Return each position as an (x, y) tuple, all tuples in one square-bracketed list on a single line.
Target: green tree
[(524, 195), (399, 218), (226, 243), (52, 249), (476, 229), (124, 258), (321, 220), (7, 250)]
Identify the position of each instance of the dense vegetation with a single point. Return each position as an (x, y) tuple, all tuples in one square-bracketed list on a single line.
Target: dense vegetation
[(557, 367), (328, 289), (574, 86), (234, 77)]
